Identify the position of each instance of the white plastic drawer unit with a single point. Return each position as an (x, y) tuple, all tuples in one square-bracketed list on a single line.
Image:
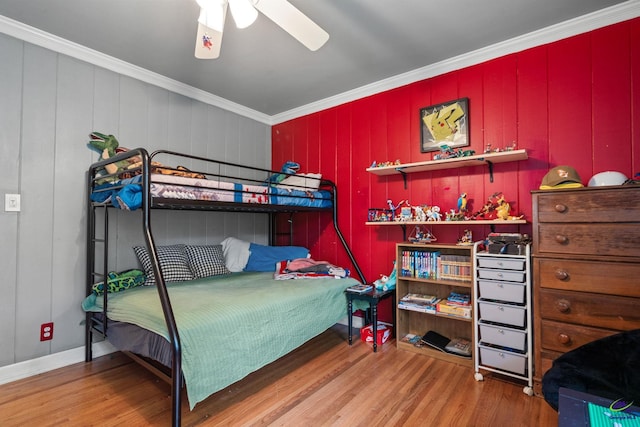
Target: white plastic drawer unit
[(505, 360), (506, 314), (501, 263), (503, 336), (506, 275), (503, 291)]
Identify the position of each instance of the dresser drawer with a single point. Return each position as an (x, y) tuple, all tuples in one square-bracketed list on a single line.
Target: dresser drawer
[(508, 275), (612, 278), (619, 239), (502, 313), (589, 205), (501, 263), (505, 360), (563, 337), (502, 291), (502, 336), (611, 312)]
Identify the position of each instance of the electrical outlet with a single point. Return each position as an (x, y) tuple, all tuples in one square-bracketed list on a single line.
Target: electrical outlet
[(12, 203), (46, 331)]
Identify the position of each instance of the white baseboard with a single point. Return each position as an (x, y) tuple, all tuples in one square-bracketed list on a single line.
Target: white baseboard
[(28, 368)]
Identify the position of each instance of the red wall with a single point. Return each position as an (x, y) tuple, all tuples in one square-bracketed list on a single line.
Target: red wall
[(576, 102)]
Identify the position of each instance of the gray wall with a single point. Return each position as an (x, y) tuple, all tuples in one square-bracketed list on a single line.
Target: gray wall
[(49, 103)]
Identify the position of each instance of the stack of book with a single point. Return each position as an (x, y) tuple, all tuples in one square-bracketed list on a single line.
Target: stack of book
[(434, 265), (458, 346), (360, 288), (419, 302), (456, 305)]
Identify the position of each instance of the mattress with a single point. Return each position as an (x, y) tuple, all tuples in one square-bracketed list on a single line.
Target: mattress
[(232, 325), (127, 192)]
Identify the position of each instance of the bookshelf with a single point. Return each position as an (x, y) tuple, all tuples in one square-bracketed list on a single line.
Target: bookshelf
[(418, 323)]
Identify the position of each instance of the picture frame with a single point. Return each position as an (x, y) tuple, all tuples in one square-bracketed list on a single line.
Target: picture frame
[(445, 124)]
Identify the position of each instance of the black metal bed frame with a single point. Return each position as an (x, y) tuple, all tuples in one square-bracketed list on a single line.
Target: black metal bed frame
[(99, 323)]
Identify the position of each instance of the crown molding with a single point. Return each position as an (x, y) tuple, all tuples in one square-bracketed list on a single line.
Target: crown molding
[(582, 24), (57, 44), (589, 22)]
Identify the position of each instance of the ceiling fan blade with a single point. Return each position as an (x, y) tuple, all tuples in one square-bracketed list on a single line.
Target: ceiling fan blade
[(210, 27), (296, 23), (208, 42)]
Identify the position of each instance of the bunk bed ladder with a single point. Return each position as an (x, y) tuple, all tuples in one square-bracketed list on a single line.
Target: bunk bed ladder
[(92, 323)]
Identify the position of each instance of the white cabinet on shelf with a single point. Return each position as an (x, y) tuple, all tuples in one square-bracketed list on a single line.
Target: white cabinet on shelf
[(502, 315)]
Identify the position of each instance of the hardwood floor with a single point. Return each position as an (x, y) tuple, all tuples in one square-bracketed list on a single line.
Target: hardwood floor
[(323, 383)]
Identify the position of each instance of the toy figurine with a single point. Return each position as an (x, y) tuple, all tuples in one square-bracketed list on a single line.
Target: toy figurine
[(503, 210), (386, 283), (466, 239), (421, 236), (393, 207), (462, 203), (433, 214)]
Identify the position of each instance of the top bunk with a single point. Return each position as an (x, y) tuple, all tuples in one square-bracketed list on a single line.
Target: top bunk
[(130, 178)]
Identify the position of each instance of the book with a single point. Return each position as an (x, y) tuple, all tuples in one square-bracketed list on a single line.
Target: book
[(429, 299), (461, 346), (454, 310), (435, 340), (360, 288), (422, 307), (457, 346)]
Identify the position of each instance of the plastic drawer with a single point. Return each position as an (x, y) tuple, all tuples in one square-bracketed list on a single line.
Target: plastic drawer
[(504, 360), (503, 291), (501, 263), (502, 313), (508, 275), (505, 337)]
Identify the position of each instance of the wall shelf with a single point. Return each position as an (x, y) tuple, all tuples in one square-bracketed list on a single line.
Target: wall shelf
[(458, 162), (470, 222)]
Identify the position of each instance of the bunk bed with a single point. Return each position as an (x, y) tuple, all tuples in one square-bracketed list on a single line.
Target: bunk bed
[(143, 322)]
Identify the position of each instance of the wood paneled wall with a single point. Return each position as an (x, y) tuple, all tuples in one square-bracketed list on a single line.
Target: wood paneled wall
[(575, 102), (49, 104)]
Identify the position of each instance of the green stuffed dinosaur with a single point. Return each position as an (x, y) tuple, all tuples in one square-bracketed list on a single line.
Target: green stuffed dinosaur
[(106, 145)]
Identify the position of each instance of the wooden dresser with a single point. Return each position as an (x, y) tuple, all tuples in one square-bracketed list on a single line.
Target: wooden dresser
[(586, 268)]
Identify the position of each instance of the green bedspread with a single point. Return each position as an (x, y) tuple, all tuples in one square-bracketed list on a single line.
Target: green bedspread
[(232, 325)]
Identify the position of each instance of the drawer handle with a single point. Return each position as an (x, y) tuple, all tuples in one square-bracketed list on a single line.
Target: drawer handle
[(561, 208), (562, 275), (561, 239), (564, 339), (563, 305)]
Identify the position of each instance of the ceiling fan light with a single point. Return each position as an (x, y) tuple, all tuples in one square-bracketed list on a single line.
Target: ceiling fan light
[(243, 12), (212, 14)]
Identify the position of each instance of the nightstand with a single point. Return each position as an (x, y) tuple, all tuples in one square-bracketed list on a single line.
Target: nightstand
[(373, 297)]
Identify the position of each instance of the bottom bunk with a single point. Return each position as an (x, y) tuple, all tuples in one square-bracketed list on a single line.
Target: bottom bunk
[(229, 325)]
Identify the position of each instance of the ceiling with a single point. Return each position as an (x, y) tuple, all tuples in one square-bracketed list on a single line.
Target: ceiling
[(264, 69)]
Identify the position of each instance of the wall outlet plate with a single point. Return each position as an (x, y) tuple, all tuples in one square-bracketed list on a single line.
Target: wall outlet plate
[(12, 203)]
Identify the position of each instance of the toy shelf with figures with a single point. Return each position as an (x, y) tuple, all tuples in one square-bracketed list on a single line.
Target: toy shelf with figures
[(456, 162), (491, 222)]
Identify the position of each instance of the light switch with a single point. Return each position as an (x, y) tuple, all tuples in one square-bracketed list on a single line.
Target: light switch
[(12, 203)]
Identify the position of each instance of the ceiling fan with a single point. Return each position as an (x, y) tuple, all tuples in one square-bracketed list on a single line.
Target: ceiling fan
[(245, 12)]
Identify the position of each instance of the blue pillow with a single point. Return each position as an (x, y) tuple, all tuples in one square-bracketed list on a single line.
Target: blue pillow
[(264, 258)]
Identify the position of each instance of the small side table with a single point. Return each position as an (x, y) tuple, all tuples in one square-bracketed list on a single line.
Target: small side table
[(373, 297)]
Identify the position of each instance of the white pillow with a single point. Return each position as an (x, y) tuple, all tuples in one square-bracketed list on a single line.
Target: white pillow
[(301, 181), (236, 253)]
